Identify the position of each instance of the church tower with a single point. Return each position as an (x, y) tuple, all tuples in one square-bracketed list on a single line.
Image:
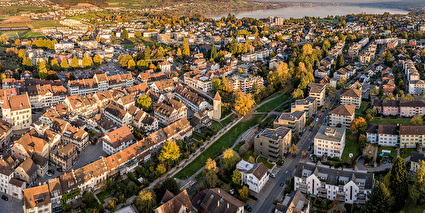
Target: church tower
[(217, 107)]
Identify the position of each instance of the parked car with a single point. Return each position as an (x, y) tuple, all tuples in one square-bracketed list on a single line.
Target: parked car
[(248, 207), (272, 175), (59, 169), (4, 197), (281, 184)]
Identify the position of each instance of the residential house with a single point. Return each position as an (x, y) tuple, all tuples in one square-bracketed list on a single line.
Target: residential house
[(16, 110), (254, 175), (294, 121), (329, 141), (273, 143), (351, 97), (342, 116), (117, 140)]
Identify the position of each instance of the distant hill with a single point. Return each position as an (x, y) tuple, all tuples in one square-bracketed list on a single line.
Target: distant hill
[(99, 3)]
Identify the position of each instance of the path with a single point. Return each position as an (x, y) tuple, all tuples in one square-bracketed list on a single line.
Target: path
[(382, 167), (266, 101)]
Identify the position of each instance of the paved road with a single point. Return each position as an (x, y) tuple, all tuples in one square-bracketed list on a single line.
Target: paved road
[(12, 205), (89, 154)]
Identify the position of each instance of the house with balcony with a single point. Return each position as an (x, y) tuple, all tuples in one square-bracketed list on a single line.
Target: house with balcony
[(351, 97), (254, 175), (273, 143), (294, 121), (329, 141), (344, 185), (308, 105), (342, 116)]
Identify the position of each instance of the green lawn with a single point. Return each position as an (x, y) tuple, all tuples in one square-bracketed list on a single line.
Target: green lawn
[(41, 24), (412, 207), (404, 121), (273, 95), (351, 146), (363, 107), (269, 106), (216, 126), (102, 196), (237, 147), (267, 121), (284, 107), (30, 34), (390, 148), (263, 160), (406, 154), (218, 146), (228, 120)]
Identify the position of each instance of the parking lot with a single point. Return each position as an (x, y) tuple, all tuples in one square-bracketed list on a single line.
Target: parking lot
[(13, 205), (89, 154)]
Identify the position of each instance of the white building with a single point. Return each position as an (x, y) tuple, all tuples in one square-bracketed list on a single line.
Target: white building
[(17, 111), (117, 140), (254, 175), (329, 141), (343, 185)]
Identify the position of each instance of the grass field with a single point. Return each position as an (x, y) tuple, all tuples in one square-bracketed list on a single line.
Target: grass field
[(41, 24), (23, 34), (404, 121), (363, 107), (269, 106), (102, 196), (351, 146), (228, 120), (218, 146), (263, 160)]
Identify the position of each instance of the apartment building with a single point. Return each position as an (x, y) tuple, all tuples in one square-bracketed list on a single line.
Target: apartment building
[(342, 116), (117, 140), (16, 110), (244, 82), (37, 199), (65, 156), (344, 185), (383, 134), (273, 143), (197, 80), (100, 82), (5, 133), (415, 84), (44, 96), (317, 91), (192, 100), (412, 135), (117, 115), (308, 105), (329, 141), (351, 97), (294, 202), (145, 121), (254, 175), (76, 136), (404, 108), (168, 111), (294, 121)]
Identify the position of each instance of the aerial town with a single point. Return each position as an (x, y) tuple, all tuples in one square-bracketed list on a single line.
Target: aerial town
[(136, 110)]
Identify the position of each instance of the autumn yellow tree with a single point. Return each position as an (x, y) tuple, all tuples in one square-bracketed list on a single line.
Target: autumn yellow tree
[(358, 125), (186, 50), (169, 153), (27, 62), (97, 60), (244, 103), (230, 159), (243, 193), (236, 177), (64, 64), (161, 169), (417, 120), (145, 201), (293, 149), (211, 170), (74, 62), (54, 64), (21, 53)]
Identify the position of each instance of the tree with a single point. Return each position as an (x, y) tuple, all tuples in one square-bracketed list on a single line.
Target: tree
[(97, 60), (161, 169), (138, 34), (251, 159), (213, 54), (54, 64), (147, 53), (362, 139), (131, 65), (22, 53), (372, 112), (169, 153), (3, 38), (70, 76), (42, 70), (379, 199), (144, 102), (358, 125), (417, 120), (236, 177), (145, 201), (369, 118), (186, 50), (298, 94), (87, 62), (369, 151), (27, 62), (216, 84), (230, 159), (211, 177), (293, 149), (124, 34), (64, 64), (244, 103), (341, 83), (111, 205), (417, 192), (243, 193), (398, 184), (179, 52), (421, 171), (169, 184), (74, 62), (326, 45), (340, 61)]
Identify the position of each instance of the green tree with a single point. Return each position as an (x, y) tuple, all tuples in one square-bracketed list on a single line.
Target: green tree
[(186, 50), (64, 64), (42, 70), (169, 184), (417, 120), (147, 53), (236, 177), (379, 199), (398, 184), (417, 192), (369, 118), (169, 153), (213, 52), (145, 201), (340, 61), (144, 102), (211, 170), (74, 62), (124, 34)]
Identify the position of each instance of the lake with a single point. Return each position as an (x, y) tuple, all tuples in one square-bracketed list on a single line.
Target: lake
[(314, 11)]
